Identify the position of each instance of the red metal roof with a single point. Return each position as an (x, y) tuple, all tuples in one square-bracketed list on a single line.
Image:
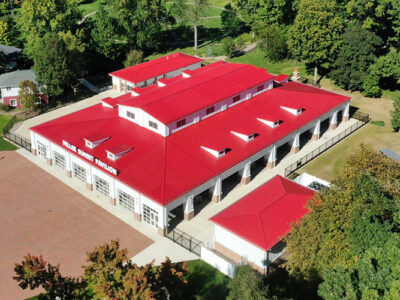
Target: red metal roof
[(165, 168), (156, 67), (207, 86), (281, 77), (263, 217)]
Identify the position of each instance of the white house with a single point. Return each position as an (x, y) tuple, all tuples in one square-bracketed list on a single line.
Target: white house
[(9, 85), (149, 72), (251, 229)]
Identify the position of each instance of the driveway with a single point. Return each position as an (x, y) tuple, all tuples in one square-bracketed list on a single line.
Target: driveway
[(41, 215)]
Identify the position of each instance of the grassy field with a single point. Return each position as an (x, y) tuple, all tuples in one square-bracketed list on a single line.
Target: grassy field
[(328, 165), (205, 282), (89, 6), (4, 145)]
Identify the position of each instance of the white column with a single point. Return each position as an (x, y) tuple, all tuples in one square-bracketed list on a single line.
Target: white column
[(217, 190), (49, 158), (316, 131), (296, 143), (113, 198), (162, 220), (89, 179), (188, 208), (346, 112), (33, 143), (333, 121), (68, 164), (246, 176), (272, 158), (137, 214)]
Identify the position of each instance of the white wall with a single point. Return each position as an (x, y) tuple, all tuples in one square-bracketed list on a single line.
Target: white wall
[(305, 179), (13, 92), (224, 266), (240, 246)]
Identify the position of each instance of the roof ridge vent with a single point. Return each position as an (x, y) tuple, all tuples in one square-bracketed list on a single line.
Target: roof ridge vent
[(217, 153), (117, 152)]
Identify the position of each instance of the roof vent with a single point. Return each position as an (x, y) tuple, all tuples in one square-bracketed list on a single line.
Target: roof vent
[(271, 124), (118, 151), (94, 140), (162, 82), (295, 111), (219, 153), (246, 137)]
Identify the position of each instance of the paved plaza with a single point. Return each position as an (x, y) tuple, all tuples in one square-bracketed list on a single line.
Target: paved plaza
[(42, 216)]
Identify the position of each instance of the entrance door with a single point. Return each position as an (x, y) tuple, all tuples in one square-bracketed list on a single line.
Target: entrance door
[(150, 216)]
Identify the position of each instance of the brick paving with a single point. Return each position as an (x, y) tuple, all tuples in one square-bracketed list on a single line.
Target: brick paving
[(41, 215)]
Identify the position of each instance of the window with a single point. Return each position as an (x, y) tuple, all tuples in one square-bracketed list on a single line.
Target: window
[(153, 125), (277, 123), (8, 88), (89, 144), (59, 160), (150, 216), (222, 152), (79, 172), (260, 88), (126, 200), (42, 150), (110, 155), (236, 98), (130, 114), (180, 123), (13, 102), (210, 110), (101, 186)]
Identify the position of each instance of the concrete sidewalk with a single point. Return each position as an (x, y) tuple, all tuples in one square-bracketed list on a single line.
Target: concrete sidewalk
[(202, 229)]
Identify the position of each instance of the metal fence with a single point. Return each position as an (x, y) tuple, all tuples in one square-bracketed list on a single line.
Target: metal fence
[(186, 241), (361, 118), (15, 138)]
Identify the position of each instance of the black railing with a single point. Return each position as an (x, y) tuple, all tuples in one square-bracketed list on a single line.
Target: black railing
[(15, 138), (361, 118), (186, 241)]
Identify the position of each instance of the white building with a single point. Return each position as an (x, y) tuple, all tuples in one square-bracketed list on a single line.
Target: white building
[(148, 73), (164, 150)]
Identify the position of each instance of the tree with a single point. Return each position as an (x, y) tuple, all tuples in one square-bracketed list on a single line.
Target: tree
[(228, 46), (230, 21), (278, 12), (4, 33), (358, 211), (384, 72), (34, 272), (375, 275), (109, 275), (316, 34), (381, 17), (247, 284), (356, 54), (190, 12), (395, 113), (38, 17), (134, 57), (28, 94), (128, 24), (57, 61), (272, 43)]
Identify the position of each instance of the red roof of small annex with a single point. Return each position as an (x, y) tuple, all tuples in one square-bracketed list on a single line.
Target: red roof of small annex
[(206, 87), (156, 67), (264, 216), (165, 168), (281, 77)]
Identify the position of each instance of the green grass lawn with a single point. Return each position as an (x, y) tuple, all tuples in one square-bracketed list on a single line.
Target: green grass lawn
[(257, 59), (4, 145), (205, 282), (89, 7)]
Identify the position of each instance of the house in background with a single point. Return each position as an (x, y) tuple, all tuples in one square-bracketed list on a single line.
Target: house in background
[(9, 85), (11, 56), (149, 72), (251, 229)]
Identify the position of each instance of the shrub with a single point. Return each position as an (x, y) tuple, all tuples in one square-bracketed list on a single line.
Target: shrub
[(4, 107), (272, 43), (134, 57), (228, 46)]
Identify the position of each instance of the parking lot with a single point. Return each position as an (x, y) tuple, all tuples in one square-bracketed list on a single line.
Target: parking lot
[(41, 215)]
